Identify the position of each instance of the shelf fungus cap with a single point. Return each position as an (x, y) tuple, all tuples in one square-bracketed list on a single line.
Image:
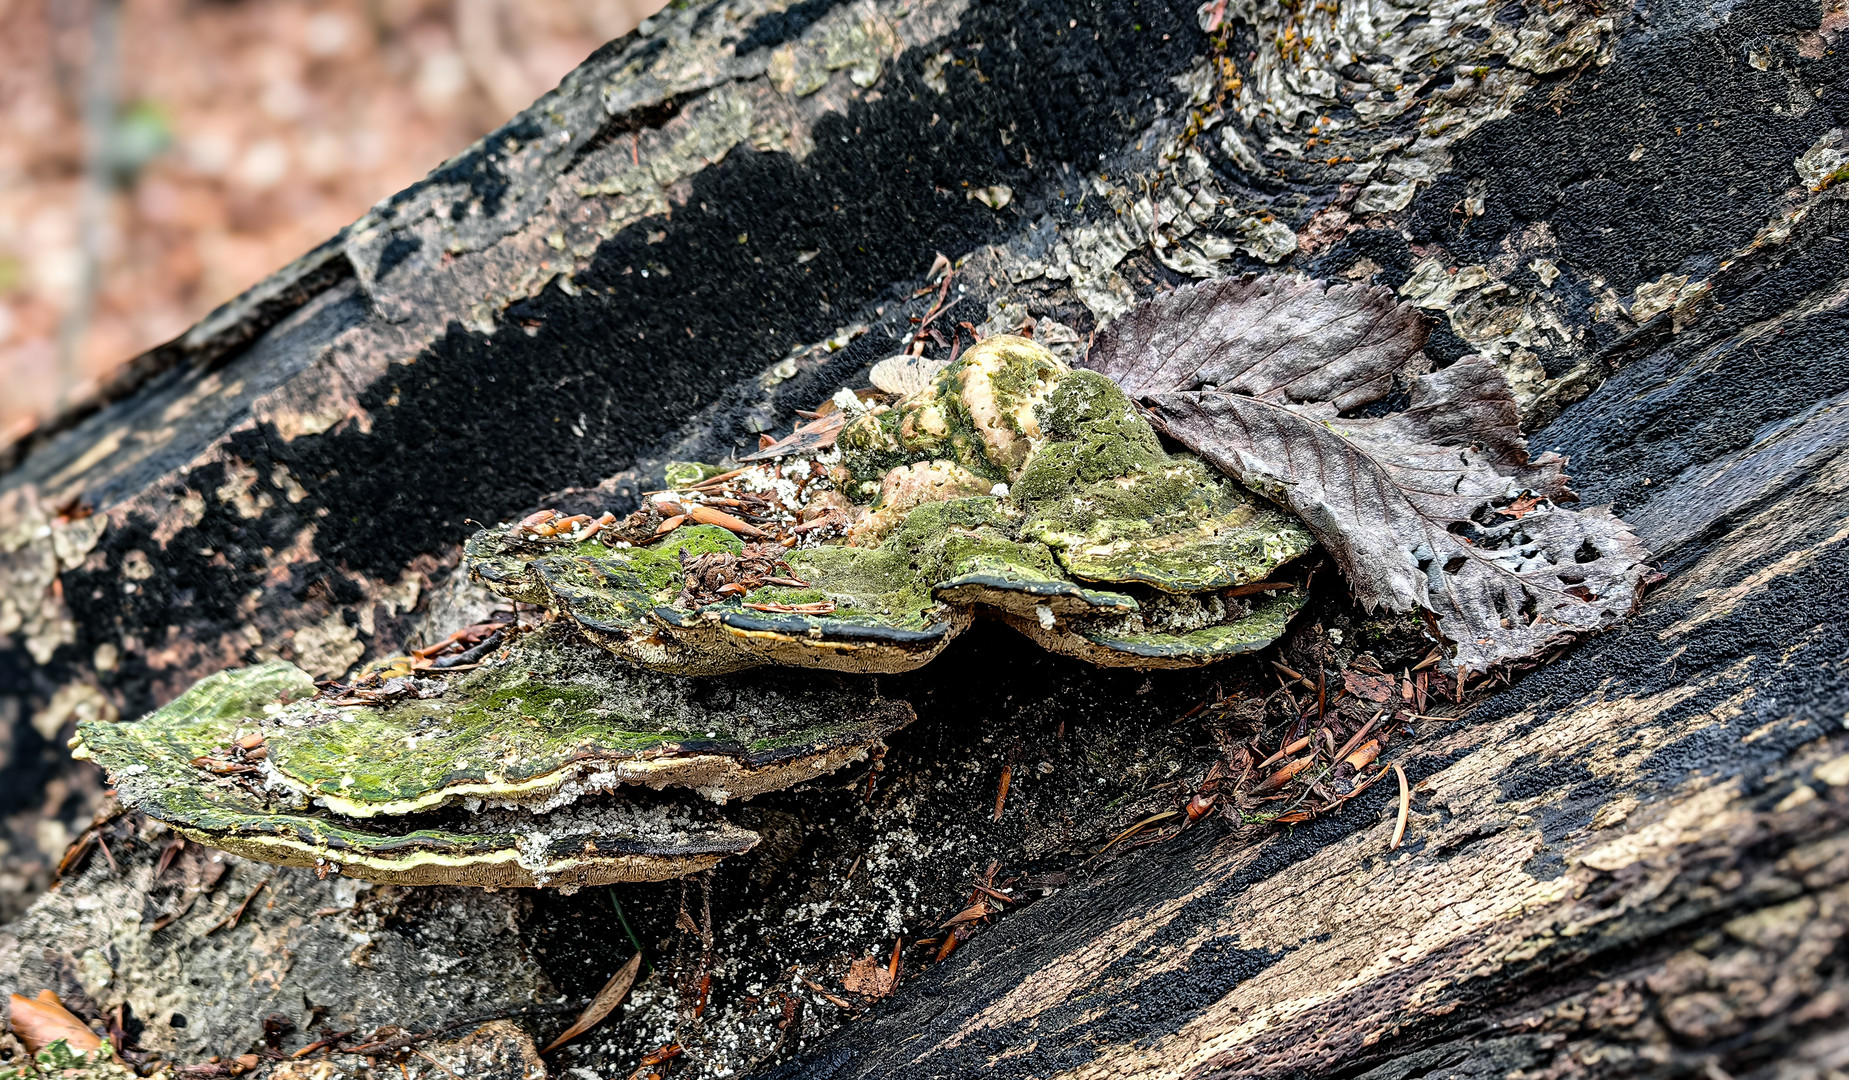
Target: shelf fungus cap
[(550, 764), (1010, 485)]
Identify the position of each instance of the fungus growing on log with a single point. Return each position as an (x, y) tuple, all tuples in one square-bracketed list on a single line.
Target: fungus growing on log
[(1008, 484)]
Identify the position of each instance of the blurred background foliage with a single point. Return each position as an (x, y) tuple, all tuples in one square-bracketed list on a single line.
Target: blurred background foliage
[(159, 156)]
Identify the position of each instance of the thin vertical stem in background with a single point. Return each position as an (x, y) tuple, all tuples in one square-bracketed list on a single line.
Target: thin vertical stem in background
[(99, 118)]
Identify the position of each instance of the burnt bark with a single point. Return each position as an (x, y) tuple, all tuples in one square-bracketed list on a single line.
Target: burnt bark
[(1632, 860)]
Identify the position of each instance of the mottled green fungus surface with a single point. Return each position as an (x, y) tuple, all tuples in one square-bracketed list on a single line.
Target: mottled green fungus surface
[(541, 767), (1011, 485)]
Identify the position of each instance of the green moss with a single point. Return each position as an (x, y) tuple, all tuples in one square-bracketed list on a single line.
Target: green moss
[(892, 584), (1269, 618), (869, 447), (620, 586), (1023, 370), (595, 583), (909, 433), (151, 764)]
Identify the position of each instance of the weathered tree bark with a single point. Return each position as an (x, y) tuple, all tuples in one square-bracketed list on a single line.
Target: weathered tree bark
[(1635, 859)]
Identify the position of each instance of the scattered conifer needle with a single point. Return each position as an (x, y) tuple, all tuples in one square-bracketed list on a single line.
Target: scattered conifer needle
[(833, 999), (435, 1062), (1002, 896), (1286, 751), (607, 999), (1355, 739), (167, 853), (1282, 776), (1138, 827), (1399, 828)]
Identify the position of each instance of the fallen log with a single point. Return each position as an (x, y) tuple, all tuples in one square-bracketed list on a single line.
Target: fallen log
[(1628, 860)]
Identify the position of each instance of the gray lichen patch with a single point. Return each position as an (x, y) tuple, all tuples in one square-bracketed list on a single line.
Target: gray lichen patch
[(1009, 483), (37, 542)]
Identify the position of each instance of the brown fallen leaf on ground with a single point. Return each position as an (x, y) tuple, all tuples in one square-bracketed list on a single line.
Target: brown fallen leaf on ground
[(607, 999), (39, 1022), (868, 976), (1375, 688), (1399, 501)]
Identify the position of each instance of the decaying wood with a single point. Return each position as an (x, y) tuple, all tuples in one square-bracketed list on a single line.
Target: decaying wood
[(1631, 859)]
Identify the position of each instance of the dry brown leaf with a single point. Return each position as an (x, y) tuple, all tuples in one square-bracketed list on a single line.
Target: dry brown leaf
[(607, 999), (1437, 506), (1406, 505), (1275, 337), (817, 434), (1375, 688), (41, 1021), (869, 976)]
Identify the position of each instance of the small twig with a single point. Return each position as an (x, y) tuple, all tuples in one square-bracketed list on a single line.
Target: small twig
[(231, 921)]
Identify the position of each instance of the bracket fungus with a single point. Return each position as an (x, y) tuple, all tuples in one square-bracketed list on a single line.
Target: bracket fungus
[(1003, 483), (547, 765), (1010, 484)]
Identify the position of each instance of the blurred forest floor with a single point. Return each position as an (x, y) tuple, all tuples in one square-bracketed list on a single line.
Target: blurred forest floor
[(237, 134)]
